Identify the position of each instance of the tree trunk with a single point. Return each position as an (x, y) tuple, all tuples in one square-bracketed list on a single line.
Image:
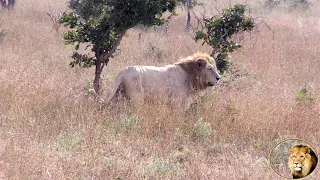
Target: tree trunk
[(103, 60), (188, 4), (97, 77), (3, 3)]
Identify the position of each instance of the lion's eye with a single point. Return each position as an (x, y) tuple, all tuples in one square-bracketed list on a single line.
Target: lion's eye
[(301, 156)]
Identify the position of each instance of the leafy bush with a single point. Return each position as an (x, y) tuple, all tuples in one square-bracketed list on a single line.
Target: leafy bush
[(160, 166), (166, 167), (70, 142), (303, 95), (271, 3), (129, 123), (2, 34), (298, 4), (291, 4), (201, 130), (218, 30)]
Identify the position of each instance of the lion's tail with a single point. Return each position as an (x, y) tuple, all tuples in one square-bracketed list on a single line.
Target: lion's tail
[(116, 89)]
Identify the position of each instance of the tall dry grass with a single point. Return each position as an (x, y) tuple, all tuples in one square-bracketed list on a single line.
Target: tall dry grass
[(51, 128)]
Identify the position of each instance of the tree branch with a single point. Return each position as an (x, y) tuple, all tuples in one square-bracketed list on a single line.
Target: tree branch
[(105, 56), (198, 19), (222, 37)]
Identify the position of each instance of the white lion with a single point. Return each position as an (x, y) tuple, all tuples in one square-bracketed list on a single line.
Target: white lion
[(173, 84)]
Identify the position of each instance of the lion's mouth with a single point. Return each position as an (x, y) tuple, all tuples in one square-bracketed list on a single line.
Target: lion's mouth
[(297, 168), (210, 84)]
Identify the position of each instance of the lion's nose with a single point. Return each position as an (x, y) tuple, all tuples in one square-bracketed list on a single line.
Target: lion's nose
[(296, 163), (217, 78)]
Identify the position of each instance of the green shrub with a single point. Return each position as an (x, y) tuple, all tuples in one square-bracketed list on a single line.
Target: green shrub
[(167, 167), (304, 95), (217, 32), (290, 4), (271, 3), (2, 34), (70, 142), (129, 123), (201, 130), (160, 166), (295, 4)]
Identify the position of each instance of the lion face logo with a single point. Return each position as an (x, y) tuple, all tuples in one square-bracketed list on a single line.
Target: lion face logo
[(302, 161)]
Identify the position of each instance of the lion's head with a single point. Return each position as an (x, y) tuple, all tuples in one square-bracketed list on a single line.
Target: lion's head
[(202, 70), (302, 161)]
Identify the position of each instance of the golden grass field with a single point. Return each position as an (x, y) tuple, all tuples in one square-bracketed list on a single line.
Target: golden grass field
[(52, 128)]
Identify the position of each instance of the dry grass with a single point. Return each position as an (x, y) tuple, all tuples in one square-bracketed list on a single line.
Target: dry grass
[(50, 128)]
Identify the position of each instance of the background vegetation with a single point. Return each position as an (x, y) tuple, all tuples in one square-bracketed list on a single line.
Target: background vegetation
[(52, 128)]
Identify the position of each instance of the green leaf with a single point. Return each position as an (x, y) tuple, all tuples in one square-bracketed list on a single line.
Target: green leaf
[(303, 94), (93, 21), (70, 35), (77, 46), (200, 35)]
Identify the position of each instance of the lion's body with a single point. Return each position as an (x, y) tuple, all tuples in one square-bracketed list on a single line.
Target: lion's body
[(302, 161), (169, 84)]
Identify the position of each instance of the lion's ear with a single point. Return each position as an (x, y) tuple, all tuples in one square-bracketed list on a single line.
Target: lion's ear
[(308, 150), (291, 150), (201, 63)]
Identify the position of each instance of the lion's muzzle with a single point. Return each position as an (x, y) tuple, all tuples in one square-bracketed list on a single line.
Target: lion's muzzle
[(210, 84), (297, 167)]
